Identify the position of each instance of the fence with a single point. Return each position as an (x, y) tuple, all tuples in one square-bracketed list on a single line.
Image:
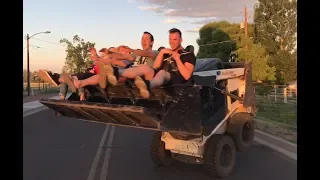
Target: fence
[(277, 111), (39, 87), (278, 93)]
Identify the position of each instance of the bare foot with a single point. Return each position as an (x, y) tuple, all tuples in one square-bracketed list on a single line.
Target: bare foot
[(62, 97), (82, 97)]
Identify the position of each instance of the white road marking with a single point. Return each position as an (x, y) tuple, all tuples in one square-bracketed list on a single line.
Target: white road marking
[(33, 111), (35, 106), (98, 154), (104, 170)]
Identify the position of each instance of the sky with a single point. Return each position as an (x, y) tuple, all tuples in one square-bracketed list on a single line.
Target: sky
[(113, 23)]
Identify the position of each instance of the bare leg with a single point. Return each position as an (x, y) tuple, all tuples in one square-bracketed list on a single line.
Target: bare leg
[(64, 87), (103, 71), (161, 78), (82, 97), (93, 80), (61, 80), (81, 93), (142, 70)]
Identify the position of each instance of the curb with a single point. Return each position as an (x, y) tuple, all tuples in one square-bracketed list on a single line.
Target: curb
[(284, 147)]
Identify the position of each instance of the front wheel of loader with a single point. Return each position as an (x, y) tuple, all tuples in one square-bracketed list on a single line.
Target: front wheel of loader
[(219, 156), (159, 155)]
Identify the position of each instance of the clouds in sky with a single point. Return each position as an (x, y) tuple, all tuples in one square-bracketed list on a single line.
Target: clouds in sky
[(195, 30), (198, 12)]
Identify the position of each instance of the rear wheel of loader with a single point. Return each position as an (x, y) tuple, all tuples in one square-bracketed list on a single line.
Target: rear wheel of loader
[(241, 129), (159, 155)]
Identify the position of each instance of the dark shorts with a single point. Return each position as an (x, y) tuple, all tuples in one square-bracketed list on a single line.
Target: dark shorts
[(176, 79), (82, 76)]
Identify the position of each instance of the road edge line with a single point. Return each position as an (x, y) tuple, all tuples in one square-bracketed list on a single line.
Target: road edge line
[(34, 110), (284, 147)]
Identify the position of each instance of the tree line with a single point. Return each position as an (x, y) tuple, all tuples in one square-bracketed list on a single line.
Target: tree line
[(33, 76), (271, 41)]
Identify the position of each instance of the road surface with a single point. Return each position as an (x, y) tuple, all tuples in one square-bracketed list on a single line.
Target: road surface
[(57, 148)]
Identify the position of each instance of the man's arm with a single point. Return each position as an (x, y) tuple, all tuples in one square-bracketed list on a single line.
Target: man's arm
[(120, 56), (185, 66), (143, 53), (158, 61)]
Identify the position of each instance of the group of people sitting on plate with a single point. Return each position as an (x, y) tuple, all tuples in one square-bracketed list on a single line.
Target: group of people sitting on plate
[(148, 68)]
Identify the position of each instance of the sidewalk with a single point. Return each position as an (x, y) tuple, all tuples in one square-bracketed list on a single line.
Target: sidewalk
[(35, 105), (32, 104), (38, 97)]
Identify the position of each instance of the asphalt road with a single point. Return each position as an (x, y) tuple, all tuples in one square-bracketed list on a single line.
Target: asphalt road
[(57, 148)]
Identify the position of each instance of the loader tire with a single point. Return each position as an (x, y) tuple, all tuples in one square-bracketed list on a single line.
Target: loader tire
[(241, 129), (219, 156), (159, 155)]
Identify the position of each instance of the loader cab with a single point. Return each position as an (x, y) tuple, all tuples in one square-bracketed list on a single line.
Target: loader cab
[(189, 48), (202, 74), (208, 64)]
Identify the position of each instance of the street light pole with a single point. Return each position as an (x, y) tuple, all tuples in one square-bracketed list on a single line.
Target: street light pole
[(28, 67), (28, 64)]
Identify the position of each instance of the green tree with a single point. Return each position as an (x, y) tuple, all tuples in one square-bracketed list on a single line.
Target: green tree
[(77, 59), (219, 39), (33, 76), (286, 65), (276, 24), (258, 57), (25, 74)]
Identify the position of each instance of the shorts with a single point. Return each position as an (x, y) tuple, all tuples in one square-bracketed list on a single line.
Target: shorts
[(82, 76), (176, 79)]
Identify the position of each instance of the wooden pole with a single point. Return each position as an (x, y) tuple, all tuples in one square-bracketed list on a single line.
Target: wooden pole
[(245, 26)]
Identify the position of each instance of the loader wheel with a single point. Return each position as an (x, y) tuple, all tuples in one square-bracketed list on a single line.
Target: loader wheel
[(219, 157), (159, 155), (241, 129)]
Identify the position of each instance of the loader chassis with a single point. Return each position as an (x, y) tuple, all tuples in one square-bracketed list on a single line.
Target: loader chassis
[(195, 123)]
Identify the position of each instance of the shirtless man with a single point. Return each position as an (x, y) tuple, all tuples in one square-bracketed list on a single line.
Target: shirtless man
[(171, 66)]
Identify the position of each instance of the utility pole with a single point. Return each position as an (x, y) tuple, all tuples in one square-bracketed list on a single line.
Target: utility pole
[(28, 64), (245, 26), (28, 67)]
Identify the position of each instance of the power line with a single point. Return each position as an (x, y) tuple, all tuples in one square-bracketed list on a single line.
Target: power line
[(48, 42), (34, 47), (216, 43), (38, 47), (53, 49)]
